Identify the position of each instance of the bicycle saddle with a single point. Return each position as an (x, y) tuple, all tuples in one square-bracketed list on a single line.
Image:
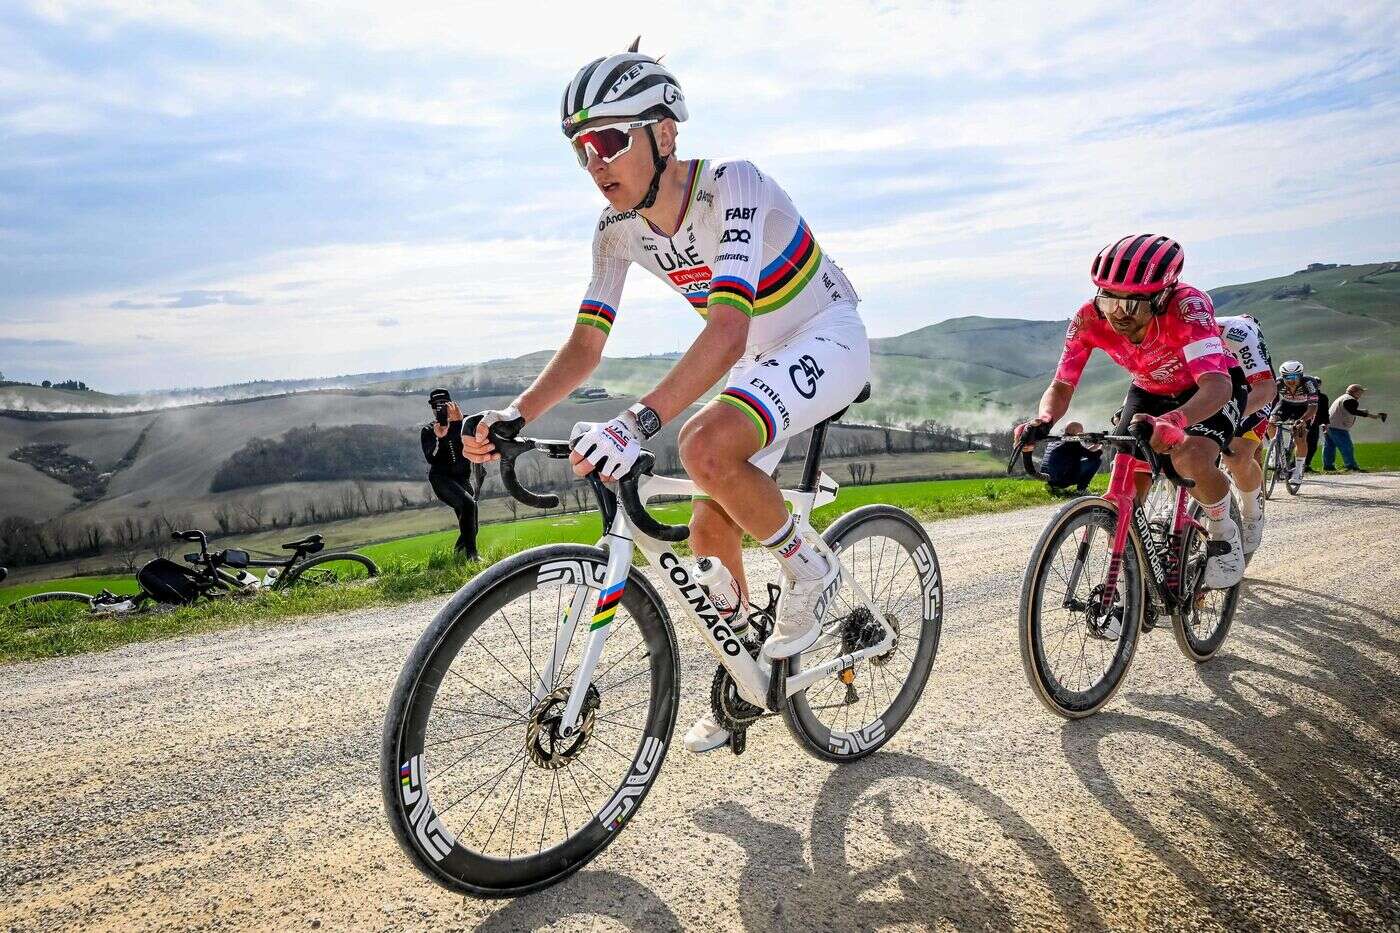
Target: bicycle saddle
[(310, 544)]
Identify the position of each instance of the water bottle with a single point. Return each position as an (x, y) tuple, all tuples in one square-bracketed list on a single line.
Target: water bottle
[(719, 584)]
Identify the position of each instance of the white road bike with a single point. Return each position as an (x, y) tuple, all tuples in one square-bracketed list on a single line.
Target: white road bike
[(533, 716)]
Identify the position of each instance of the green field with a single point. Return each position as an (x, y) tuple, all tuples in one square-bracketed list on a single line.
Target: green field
[(423, 566)]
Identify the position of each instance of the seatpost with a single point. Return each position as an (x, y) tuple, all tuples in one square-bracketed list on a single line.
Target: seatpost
[(813, 465)]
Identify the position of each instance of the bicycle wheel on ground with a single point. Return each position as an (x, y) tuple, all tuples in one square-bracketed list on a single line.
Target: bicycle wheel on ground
[(331, 569), (890, 557), (58, 596), (1271, 464), (1203, 623), (483, 792), (1075, 653)]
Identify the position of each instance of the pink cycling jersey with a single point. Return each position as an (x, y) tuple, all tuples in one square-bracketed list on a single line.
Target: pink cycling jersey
[(1181, 343)]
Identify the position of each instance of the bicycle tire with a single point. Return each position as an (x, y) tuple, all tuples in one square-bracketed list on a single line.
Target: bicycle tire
[(1271, 463), (846, 744), (1059, 699), (348, 557), (58, 596), (406, 774), (1196, 648)]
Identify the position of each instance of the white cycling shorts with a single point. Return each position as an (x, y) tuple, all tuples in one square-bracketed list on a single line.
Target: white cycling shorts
[(810, 376)]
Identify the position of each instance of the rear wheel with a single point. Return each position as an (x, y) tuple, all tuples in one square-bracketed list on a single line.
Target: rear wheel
[(890, 557), (1074, 651), (330, 570), (59, 596), (1204, 619), (485, 791)]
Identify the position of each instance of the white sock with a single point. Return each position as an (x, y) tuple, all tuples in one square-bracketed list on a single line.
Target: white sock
[(1218, 515), (800, 561), (1298, 463), (1252, 504)]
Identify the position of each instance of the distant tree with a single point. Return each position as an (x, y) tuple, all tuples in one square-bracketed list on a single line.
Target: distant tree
[(46, 384)]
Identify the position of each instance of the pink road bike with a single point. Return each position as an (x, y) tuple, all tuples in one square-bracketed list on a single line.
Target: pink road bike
[(1109, 567)]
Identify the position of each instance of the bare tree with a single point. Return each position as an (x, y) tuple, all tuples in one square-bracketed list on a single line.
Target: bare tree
[(223, 516), (870, 467), (253, 510), (362, 489)]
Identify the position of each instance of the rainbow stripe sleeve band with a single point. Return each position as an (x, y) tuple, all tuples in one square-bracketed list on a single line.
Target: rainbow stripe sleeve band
[(733, 291), (596, 314)]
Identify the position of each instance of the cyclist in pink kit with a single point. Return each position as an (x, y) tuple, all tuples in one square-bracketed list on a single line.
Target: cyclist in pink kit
[(1185, 380)]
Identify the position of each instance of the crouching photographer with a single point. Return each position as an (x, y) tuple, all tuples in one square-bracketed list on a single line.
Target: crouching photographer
[(450, 473)]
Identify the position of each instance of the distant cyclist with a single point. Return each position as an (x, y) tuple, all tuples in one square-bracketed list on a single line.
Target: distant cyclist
[(781, 332), (1245, 340), (1297, 401), (1185, 382)]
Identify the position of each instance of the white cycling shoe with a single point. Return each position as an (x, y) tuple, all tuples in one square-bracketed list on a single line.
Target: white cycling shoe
[(1225, 565), (800, 612), (705, 735), (1251, 533)]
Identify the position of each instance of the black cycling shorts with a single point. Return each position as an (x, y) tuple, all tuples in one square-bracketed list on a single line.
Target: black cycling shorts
[(1219, 427)]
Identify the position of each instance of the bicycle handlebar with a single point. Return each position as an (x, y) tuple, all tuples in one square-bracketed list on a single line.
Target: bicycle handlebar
[(510, 448), (637, 512), (1137, 443)]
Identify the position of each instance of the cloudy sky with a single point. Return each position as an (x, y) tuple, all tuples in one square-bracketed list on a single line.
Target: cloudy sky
[(194, 193)]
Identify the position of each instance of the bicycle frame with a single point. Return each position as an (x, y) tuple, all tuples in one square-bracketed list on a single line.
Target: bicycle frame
[(1163, 569), (750, 676)]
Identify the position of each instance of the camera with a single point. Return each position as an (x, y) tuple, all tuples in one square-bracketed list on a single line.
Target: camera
[(439, 399)]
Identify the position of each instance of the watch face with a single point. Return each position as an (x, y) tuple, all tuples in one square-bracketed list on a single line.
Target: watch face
[(648, 421)]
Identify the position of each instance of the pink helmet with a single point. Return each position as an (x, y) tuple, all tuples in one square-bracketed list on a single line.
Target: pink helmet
[(1138, 265)]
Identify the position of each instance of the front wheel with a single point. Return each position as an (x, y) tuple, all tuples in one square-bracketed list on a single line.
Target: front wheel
[(329, 570), (1271, 464), (1078, 638), (889, 556), (486, 791)]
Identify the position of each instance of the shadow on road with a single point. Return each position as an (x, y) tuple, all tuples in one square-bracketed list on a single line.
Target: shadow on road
[(1308, 731), (915, 882), (586, 896)]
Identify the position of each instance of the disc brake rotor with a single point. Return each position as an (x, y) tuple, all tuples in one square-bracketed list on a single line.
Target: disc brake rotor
[(545, 742)]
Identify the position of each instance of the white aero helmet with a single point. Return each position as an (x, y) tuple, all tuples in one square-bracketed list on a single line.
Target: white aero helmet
[(1291, 370), (625, 85)]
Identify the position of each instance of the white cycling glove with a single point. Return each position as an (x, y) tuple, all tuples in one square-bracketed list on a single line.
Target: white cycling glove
[(612, 447), (496, 416)]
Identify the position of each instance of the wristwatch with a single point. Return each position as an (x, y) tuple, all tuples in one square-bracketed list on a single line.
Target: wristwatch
[(648, 421)]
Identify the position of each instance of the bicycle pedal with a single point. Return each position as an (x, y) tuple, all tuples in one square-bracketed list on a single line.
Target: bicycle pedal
[(738, 741)]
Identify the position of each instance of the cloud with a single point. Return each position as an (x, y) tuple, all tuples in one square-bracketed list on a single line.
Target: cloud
[(305, 162), (191, 298)]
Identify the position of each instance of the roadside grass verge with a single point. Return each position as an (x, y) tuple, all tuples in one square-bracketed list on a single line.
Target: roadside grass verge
[(424, 566)]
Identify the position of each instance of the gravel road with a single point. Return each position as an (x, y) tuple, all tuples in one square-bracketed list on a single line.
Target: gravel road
[(230, 780)]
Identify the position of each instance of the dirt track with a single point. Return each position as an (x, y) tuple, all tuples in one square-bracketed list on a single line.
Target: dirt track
[(230, 781)]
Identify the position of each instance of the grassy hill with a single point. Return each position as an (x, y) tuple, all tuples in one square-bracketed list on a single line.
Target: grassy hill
[(972, 372)]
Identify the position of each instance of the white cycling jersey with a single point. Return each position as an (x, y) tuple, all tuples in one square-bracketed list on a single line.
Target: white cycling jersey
[(739, 242), (1246, 341)]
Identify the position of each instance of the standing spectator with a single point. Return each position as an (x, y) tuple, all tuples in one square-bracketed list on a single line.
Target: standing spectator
[(1071, 462), (449, 472), (1345, 411), (1316, 425)]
